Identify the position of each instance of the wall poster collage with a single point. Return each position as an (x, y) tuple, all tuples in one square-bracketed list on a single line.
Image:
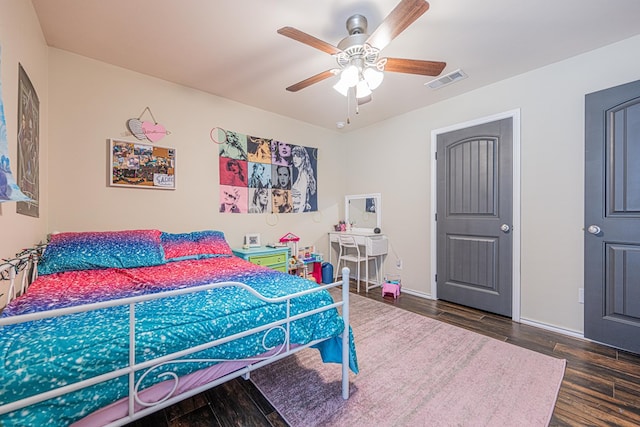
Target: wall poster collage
[(261, 175)]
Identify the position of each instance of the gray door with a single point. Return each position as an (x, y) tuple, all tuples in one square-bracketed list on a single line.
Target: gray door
[(612, 217), (474, 216)]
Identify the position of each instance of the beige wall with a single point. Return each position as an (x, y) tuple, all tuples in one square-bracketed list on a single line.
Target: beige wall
[(551, 100), (91, 101), (21, 41)]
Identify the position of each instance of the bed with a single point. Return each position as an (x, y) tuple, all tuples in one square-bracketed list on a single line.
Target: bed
[(120, 324)]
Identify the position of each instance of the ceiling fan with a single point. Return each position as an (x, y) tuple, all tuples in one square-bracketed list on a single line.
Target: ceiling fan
[(361, 69)]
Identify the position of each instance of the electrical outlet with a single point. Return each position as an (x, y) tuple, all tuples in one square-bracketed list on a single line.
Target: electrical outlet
[(581, 295), (399, 263)]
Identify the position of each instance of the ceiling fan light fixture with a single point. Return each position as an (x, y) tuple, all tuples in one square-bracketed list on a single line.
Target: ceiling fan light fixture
[(362, 89), (341, 87), (350, 76), (360, 67), (373, 77)]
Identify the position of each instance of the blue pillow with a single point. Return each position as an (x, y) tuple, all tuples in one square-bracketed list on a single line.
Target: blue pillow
[(98, 250)]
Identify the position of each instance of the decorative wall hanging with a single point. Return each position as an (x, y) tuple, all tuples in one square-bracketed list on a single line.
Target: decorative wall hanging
[(261, 175), (28, 145), (9, 190), (153, 131), (139, 165)]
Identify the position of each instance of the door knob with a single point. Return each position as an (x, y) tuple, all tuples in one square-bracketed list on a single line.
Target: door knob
[(594, 229), (505, 228)]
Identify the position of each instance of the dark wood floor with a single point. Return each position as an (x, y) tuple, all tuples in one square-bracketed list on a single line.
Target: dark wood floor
[(601, 386)]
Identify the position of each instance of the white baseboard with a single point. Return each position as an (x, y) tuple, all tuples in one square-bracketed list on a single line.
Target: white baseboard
[(417, 294), (569, 332), (562, 331)]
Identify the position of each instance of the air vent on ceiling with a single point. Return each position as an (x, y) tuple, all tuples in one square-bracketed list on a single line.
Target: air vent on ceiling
[(447, 79)]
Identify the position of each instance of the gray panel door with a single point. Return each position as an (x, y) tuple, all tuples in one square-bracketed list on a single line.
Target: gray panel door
[(612, 217), (474, 216)]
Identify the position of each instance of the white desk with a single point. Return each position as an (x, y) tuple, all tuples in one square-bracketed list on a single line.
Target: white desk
[(374, 245)]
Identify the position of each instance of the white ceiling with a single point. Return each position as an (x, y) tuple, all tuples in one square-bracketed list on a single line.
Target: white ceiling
[(231, 48)]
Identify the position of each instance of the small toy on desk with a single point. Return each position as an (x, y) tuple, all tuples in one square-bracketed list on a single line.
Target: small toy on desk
[(289, 237), (293, 239), (306, 253), (315, 257)]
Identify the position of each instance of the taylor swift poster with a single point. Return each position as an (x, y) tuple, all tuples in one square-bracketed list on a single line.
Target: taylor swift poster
[(304, 189), (233, 199), (233, 172), (262, 175)]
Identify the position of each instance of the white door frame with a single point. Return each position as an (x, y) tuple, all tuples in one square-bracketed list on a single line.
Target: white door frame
[(515, 228)]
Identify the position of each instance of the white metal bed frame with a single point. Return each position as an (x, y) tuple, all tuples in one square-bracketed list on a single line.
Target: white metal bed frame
[(21, 270), (25, 265)]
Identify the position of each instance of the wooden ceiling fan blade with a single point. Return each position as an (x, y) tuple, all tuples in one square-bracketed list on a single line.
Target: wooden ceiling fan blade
[(309, 40), (404, 14), (311, 80), (414, 66)]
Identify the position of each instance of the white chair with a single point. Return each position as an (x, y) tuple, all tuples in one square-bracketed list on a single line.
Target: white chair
[(350, 252)]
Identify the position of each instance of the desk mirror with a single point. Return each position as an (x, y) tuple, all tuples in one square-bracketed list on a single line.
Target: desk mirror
[(363, 211)]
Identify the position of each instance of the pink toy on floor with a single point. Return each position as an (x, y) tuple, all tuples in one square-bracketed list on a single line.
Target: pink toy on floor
[(391, 288)]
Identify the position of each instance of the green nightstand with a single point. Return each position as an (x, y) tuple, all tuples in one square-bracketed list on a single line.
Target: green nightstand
[(274, 258)]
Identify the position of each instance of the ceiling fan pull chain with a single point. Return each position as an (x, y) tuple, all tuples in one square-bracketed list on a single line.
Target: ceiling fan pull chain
[(349, 95)]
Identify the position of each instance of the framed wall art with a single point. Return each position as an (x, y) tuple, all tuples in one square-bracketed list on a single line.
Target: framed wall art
[(28, 145), (252, 240), (137, 165)]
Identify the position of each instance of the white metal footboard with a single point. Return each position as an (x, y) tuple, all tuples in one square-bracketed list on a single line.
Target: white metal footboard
[(149, 366)]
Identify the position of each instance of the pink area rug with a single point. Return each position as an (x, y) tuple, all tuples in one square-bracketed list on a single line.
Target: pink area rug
[(415, 371)]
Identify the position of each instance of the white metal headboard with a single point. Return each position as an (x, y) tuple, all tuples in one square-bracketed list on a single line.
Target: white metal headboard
[(21, 271)]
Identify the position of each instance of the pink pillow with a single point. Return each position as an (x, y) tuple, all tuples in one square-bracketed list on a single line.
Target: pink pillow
[(195, 245)]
